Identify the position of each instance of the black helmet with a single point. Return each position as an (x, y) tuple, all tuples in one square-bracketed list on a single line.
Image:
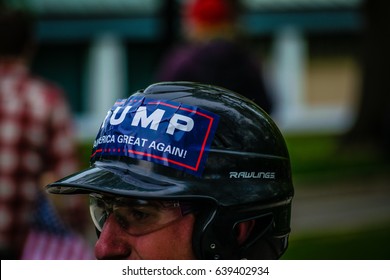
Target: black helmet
[(193, 142)]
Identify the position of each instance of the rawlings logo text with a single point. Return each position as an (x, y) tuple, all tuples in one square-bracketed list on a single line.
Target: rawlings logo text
[(252, 175)]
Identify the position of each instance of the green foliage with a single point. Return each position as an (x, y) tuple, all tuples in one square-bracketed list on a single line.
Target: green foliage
[(84, 149), (324, 156), (325, 161), (359, 244)]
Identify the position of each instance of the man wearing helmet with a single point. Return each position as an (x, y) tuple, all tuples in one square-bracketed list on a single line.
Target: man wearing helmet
[(204, 173)]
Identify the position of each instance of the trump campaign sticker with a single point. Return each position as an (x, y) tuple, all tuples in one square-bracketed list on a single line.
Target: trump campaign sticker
[(160, 131)]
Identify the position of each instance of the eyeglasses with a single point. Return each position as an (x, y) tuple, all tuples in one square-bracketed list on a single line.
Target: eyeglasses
[(135, 216)]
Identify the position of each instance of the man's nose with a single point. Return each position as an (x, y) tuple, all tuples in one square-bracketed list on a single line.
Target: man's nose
[(113, 242)]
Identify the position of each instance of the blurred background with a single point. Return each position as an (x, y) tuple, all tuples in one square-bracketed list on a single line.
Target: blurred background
[(325, 64)]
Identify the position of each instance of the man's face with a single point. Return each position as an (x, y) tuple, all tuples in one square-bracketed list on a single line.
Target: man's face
[(131, 229)]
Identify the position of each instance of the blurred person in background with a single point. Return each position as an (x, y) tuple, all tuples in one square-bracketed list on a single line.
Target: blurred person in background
[(214, 52), (36, 146)]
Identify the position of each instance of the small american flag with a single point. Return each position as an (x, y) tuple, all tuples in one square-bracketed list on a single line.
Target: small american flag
[(46, 246), (50, 239)]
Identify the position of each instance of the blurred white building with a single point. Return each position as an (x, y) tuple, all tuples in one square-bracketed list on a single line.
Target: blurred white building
[(99, 51)]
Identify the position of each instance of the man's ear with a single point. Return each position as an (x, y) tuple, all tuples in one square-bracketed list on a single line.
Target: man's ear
[(243, 230)]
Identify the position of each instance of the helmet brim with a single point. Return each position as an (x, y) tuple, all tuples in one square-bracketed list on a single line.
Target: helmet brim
[(115, 179)]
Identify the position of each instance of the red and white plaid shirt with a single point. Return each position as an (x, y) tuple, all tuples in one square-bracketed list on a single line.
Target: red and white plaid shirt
[(36, 136)]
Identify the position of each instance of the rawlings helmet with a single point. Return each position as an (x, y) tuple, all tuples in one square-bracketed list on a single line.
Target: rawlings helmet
[(202, 144)]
